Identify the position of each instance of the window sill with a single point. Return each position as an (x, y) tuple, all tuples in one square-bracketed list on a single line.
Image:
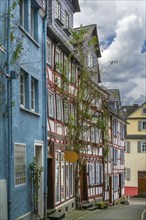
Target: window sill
[(30, 37), (67, 31), (29, 111), (59, 22)]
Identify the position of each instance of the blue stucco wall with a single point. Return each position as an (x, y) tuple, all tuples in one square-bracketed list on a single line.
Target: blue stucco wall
[(27, 126)]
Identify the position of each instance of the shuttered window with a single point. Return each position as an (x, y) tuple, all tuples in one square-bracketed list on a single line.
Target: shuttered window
[(141, 125), (127, 149), (127, 173), (141, 146)]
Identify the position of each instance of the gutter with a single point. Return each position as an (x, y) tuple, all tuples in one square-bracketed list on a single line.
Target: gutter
[(45, 108), (9, 109)]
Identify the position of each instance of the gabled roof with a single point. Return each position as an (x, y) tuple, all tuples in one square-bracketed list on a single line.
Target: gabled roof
[(128, 110), (90, 31), (114, 95)]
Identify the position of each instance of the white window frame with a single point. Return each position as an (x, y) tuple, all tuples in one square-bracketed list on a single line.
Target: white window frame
[(58, 10), (51, 103), (143, 125), (90, 59), (92, 173), (33, 95), (57, 178), (20, 168), (49, 52), (22, 89), (143, 146), (97, 176), (58, 59), (66, 23), (58, 108), (116, 182)]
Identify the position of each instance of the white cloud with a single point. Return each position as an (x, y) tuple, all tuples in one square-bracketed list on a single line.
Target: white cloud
[(121, 27)]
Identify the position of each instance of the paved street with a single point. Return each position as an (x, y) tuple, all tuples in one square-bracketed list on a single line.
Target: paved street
[(133, 211)]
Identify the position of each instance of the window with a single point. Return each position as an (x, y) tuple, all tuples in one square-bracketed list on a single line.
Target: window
[(58, 108), (58, 60), (58, 10), (141, 125), (22, 13), (22, 89), (66, 112), (122, 180), (115, 127), (127, 146), (122, 156), (63, 178), (66, 23), (73, 74), (34, 95), (20, 163), (115, 155), (67, 68), (32, 22), (143, 111), (116, 183), (92, 134), (49, 52), (141, 146), (51, 104), (90, 60), (122, 131), (127, 173), (97, 177), (91, 173), (29, 23)]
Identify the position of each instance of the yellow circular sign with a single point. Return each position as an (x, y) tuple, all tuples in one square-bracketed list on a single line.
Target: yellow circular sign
[(70, 156)]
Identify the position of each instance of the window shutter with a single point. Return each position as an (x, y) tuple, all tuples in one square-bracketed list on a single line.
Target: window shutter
[(139, 146), (128, 173), (139, 125), (128, 147)]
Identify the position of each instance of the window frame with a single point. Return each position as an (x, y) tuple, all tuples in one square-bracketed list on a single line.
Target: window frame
[(142, 110), (58, 59), (50, 94), (33, 95), (58, 10), (49, 51), (20, 160), (22, 89), (58, 108), (143, 146), (66, 20)]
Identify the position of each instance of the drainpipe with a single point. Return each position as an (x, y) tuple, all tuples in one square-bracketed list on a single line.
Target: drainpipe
[(9, 87), (45, 108)]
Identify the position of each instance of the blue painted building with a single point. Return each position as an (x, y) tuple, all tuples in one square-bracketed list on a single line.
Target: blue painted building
[(22, 104)]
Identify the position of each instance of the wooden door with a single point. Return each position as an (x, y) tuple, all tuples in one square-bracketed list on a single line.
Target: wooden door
[(142, 182)]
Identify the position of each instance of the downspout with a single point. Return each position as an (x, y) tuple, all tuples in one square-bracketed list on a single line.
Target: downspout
[(9, 109), (45, 108)]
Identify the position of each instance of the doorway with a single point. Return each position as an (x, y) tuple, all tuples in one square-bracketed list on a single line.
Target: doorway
[(142, 182), (38, 153)]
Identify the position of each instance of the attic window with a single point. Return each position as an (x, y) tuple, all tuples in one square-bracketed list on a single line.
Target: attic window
[(143, 110)]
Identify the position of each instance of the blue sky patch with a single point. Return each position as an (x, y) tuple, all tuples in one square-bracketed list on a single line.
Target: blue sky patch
[(105, 44), (143, 49)]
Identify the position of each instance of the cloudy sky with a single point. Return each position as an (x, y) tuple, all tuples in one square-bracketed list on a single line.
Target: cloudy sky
[(121, 29)]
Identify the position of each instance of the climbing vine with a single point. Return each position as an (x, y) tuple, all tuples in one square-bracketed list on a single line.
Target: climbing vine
[(35, 176)]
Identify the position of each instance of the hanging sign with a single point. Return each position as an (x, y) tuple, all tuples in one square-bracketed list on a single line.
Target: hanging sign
[(70, 156)]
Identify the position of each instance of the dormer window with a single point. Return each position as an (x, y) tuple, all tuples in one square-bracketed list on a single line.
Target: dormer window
[(90, 60), (144, 111), (58, 10), (66, 20)]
